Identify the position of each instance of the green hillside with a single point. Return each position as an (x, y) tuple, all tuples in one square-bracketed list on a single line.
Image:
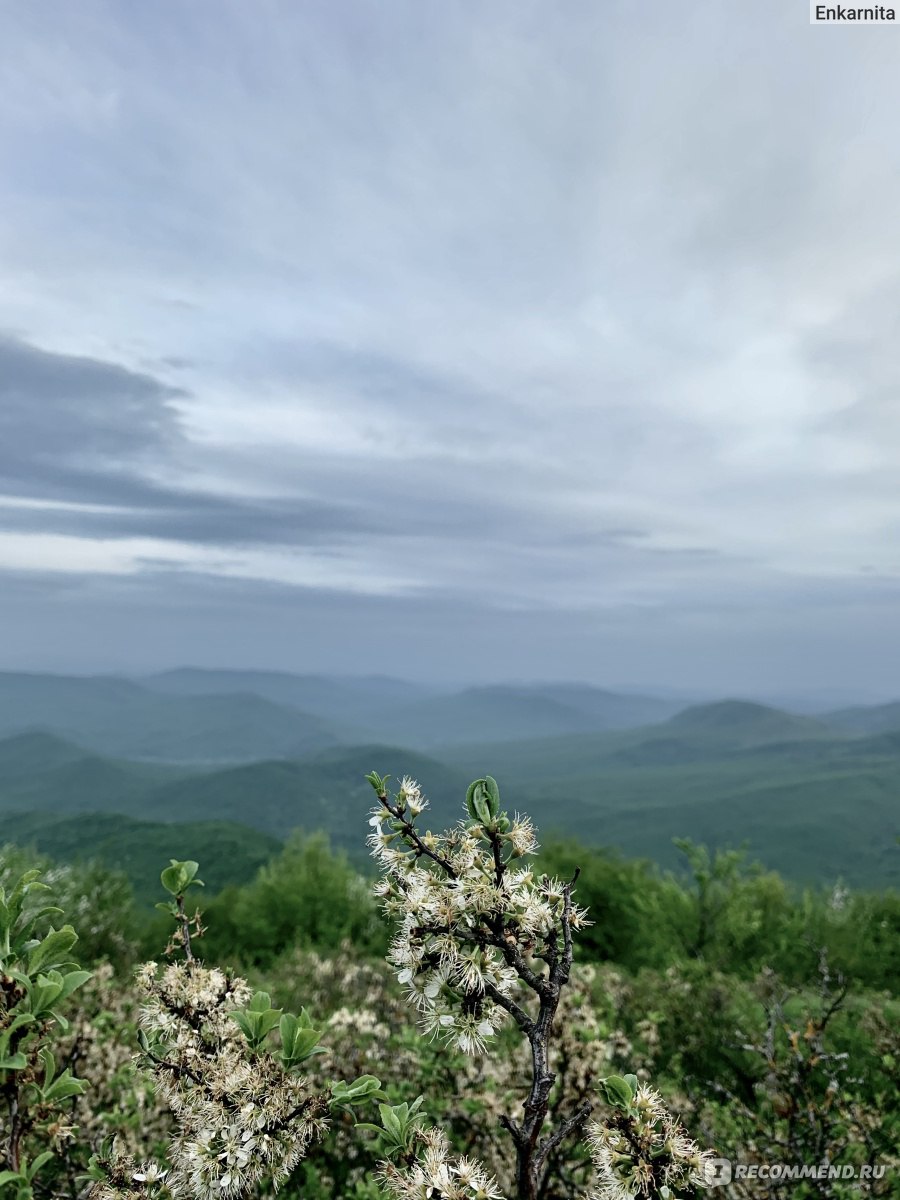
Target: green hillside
[(812, 827), (812, 802), (327, 792), (26, 754), (230, 853), (698, 734), (42, 773), (813, 805)]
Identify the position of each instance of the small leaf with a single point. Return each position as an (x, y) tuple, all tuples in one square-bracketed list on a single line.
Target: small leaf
[(14, 1062), (378, 783), (54, 948), (41, 1161), (492, 794), (618, 1091)]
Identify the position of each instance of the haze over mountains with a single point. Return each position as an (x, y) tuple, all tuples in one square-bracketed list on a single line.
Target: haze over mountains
[(817, 797)]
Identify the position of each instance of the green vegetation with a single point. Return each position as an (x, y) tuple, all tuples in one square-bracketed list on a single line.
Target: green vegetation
[(234, 852), (816, 804), (767, 1016), (309, 896)]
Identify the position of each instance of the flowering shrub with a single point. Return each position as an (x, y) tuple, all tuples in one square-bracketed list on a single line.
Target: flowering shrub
[(643, 1150), (483, 950), (481, 940)]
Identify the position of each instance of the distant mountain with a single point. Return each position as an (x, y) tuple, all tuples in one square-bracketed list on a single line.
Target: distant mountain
[(489, 714), (813, 803), (346, 700), (875, 718), (702, 733), (741, 723), (813, 799), (228, 853), (607, 710), (117, 717), (25, 754), (412, 715)]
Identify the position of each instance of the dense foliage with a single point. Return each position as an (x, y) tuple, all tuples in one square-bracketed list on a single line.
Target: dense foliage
[(720, 1001)]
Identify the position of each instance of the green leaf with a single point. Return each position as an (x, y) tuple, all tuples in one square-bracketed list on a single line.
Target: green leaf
[(357, 1089), (48, 1062), (483, 800), (14, 1062), (391, 1121), (44, 991), (73, 980), (17, 1022), (171, 878), (618, 1091), (64, 1088), (54, 948), (41, 1161), (257, 1021), (243, 1023), (38, 914), (300, 1045), (178, 877), (470, 799), (492, 794)]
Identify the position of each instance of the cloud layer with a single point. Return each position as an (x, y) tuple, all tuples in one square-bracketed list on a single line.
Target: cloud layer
[(569, 334)]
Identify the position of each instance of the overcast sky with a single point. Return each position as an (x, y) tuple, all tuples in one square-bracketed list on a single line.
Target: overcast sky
[(460, 341)]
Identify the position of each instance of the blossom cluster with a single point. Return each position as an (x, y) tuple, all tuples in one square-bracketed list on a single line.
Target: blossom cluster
[(643, 1151), (435, 1175), (469, 920), (240, 1117)]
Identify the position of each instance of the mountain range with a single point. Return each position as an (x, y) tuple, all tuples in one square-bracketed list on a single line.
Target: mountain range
[(816, 797)]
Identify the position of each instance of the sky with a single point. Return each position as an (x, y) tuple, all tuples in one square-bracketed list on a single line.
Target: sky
[(455, 341)]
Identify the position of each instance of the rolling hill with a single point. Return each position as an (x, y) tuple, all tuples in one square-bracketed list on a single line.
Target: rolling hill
[(40, 772), (816, 803), (27, 754), (875, 718), (391, 710), (344, 700), (327, 792), (119, 718), (488, 714), (740, 723), (815, 806)]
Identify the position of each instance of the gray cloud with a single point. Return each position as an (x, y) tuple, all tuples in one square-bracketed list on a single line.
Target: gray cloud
[(62, 405), (88, 432), (508, 321)]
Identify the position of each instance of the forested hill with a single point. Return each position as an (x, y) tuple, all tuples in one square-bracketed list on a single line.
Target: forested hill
[(807, 795)]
